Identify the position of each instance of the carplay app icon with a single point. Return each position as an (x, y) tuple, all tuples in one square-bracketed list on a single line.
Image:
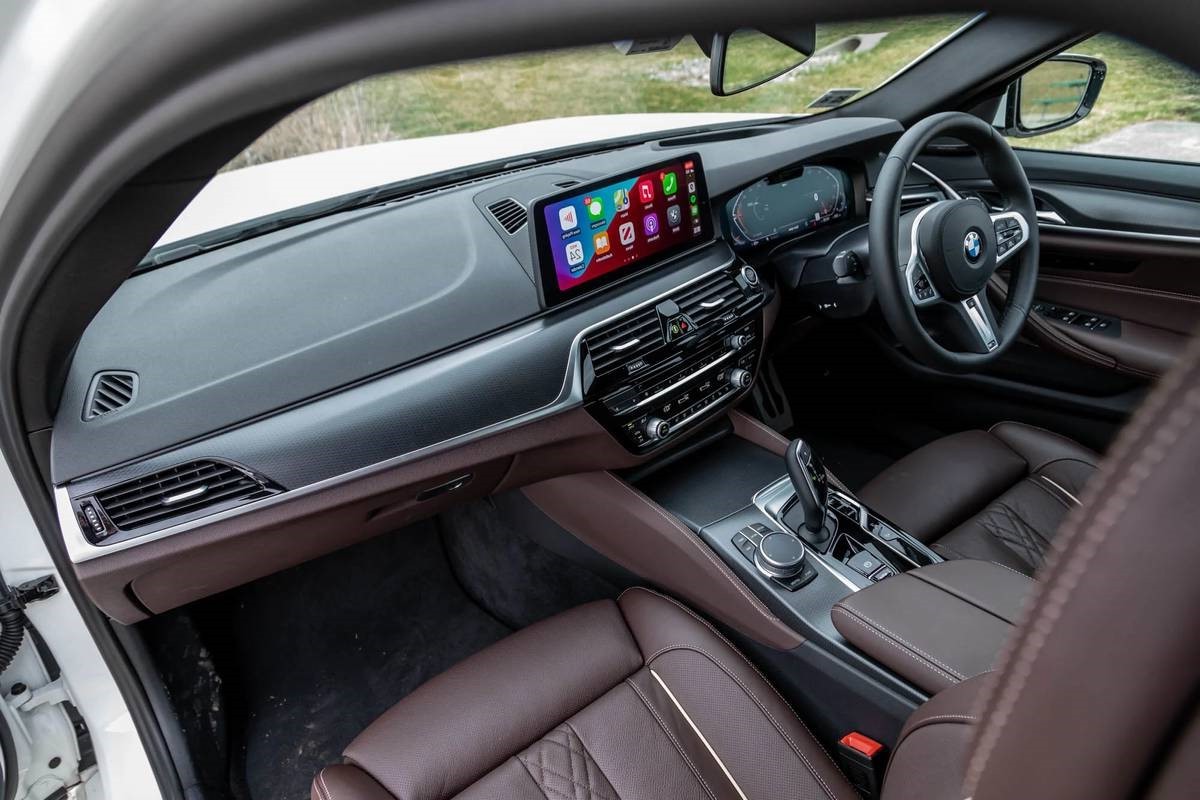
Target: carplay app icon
[(574, 253), (567, 218), (626, 233)]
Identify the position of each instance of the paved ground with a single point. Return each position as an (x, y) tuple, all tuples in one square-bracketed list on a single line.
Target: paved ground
[(1169, 141)]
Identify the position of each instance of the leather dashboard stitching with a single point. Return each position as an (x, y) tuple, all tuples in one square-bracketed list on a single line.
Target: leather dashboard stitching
[(703, 548), (763, 708), (662, 724), (898, 642), (749, 664), (1106, 508)]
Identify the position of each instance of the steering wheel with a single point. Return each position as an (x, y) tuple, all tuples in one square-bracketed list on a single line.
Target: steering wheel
[(933, 264)]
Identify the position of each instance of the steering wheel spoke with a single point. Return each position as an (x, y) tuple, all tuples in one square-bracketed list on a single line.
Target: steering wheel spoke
[(1012, 233), (977, 323), (921, 290)]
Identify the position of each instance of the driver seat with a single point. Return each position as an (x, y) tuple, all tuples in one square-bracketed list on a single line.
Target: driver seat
[(997, 495)]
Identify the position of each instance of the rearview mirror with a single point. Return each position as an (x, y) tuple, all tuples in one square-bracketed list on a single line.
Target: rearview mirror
[(1055, 94), (747, 58)]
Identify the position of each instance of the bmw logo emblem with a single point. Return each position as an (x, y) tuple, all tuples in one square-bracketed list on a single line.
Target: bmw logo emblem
[(973, 246)]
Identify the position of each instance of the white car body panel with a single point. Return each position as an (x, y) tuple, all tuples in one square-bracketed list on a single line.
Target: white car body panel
[(242, 194)]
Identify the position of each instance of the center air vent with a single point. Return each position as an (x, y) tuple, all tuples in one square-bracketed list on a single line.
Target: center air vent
[(109, 392), (180, 491), (712, 298), (624, 341), (509, 213)]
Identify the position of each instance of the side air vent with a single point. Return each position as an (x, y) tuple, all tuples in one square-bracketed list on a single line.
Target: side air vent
[(509, 213), (624, 341), (712, 298), (109, 392), (180, 491)]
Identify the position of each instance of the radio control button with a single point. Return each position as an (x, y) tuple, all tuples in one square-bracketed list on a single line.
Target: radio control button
[(740, 378), (657, 429), (737, 341)]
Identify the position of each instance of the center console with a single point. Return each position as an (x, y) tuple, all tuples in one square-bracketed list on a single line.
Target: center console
[(886, 621)]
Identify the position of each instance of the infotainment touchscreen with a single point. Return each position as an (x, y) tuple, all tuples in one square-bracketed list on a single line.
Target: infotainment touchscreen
[(608, 229)]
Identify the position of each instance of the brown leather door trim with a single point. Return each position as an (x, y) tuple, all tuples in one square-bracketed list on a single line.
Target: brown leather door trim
[(1141, 350), (624, 525)]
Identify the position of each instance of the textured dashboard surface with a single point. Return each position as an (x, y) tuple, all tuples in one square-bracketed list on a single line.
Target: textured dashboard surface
[(232, 345)]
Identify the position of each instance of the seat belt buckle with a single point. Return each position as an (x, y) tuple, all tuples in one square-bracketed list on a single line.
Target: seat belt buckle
[(862, 759)]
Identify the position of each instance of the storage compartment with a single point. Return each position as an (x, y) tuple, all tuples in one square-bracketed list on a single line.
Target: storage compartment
[(937, 625)]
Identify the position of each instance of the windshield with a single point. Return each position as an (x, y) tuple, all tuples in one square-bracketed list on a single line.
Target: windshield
[(408, 124)]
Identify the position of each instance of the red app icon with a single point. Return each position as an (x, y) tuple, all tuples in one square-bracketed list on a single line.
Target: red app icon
[(646, 191)]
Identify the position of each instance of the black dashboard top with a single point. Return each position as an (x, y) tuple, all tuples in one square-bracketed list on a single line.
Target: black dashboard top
[(354, 305)]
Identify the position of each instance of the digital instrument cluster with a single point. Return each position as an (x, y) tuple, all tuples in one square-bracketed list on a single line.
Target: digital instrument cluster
[(786, 208)]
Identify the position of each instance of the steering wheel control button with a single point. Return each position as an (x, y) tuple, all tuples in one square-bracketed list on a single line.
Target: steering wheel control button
[(922, 288)]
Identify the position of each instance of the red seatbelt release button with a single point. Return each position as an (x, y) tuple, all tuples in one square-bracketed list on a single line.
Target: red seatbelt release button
[(862, 759), (859, 743)]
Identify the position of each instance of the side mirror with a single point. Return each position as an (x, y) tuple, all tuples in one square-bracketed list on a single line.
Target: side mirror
[(747, 58), (1054, 95)]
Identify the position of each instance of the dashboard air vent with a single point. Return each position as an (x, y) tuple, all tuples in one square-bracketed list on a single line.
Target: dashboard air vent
[(624, 341), (181, 490), (509, 213), (567, 184), (109, 392), (712, 298)]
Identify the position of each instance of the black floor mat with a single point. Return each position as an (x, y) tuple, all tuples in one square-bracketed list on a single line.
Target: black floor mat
[(506, 572), (312, 655)]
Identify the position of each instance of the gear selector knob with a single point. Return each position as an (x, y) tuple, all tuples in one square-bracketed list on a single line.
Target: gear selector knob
[(807, 472)]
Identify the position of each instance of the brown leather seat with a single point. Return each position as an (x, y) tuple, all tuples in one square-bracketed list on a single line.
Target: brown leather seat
[(1096, 696), (626, 699), (998, 495)]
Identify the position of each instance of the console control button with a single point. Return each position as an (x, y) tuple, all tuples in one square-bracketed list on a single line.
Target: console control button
[(881, 573), (743, 544), (780, 555), (865, 563), (749, 275), (740, 378), (656, 429)]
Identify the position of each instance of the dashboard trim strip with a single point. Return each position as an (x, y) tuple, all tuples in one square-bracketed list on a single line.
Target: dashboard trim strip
[(570, 396), (682, 381)]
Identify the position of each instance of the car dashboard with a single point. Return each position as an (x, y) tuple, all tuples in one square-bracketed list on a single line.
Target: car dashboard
[(393, 358)]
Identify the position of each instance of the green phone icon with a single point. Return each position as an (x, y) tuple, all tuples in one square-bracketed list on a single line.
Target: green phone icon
[(670, 182)]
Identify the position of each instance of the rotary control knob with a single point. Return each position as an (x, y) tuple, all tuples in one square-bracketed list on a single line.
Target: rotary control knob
[(779, 555), (749, 275), (740, 378), (737, 341), (657, 429)]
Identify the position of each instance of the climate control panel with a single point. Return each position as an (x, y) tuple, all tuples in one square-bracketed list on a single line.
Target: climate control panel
[(681, 361)]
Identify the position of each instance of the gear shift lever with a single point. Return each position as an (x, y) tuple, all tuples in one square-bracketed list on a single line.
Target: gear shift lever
[(807, 472)]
